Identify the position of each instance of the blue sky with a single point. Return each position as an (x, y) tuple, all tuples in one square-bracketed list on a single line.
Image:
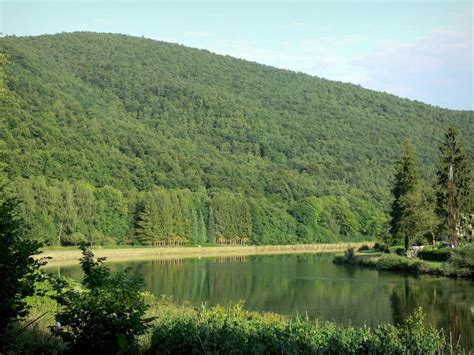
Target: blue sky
[(421, 50)]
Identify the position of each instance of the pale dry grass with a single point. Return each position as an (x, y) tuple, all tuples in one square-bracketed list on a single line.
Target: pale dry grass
[(65, 257)]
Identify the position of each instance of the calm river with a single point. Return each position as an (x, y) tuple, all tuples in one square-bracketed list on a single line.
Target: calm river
[(308, 284)]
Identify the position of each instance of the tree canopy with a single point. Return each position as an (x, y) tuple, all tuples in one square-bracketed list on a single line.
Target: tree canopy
[(454, 204), (117, 139)]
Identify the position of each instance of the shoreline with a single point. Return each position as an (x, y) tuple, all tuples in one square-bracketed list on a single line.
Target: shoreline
[(400, 265), (68, 256)]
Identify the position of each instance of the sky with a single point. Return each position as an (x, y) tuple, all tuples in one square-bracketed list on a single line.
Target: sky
[(421, 50)]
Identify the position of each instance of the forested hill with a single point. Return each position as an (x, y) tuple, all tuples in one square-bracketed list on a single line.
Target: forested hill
[(106, 134)]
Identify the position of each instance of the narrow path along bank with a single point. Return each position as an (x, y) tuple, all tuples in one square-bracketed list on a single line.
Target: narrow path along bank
[(71, 256)]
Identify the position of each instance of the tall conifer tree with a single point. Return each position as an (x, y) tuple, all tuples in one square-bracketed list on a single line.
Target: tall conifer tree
[(194, 226), (406, 181), (146, 225), (212, 227), (453, 184), (202, 238)]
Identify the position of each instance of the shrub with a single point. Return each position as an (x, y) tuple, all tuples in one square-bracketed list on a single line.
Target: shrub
[(434, 254), (364, 247), (349, 257), (384, 248), (419, 339), (18, 269), (32, 340), (236, 331), (398, 263), (349, 254), (400, 251), (105, 314), (75, 238), (461, 262)]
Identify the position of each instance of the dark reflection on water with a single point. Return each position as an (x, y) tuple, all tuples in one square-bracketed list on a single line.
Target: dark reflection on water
[(309, 284)]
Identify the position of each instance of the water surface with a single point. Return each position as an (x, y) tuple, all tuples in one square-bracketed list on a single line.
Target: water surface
[(308, 284)]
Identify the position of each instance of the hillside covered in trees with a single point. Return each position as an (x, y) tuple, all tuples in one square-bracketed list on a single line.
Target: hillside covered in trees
[(116, 139)]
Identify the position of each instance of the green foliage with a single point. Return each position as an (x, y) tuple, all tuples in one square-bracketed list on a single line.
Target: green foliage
[(418, 221), (271, 224), (454, 179), (419, 339), (112, 213), (18, 269), (105, 314), (461, 262), (85, 113), (201, 229), (231, 219), (170, 216), (393, 262), (64, 213), (221, 331), (400, 251), (384, 248), (398, 263), (3, 62), (432, 254), (330, 218), (349, 255), (32, 335)]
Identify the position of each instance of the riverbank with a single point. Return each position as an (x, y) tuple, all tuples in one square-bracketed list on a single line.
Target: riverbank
[(68, 256), (389, 262), (460, 263)]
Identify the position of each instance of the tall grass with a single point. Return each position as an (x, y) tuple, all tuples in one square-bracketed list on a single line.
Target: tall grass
[(233, 330), (184, 329)]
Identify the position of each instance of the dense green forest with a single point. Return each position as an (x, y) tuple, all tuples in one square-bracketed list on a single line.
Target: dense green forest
[(113, 139)]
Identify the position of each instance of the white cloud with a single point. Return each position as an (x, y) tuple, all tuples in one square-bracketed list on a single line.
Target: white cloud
[(437, 68)]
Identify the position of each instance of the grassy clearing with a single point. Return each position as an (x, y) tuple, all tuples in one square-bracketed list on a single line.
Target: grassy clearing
[(68, 256)]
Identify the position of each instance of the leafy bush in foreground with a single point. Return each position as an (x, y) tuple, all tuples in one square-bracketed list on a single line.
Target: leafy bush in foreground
[(103, 316), (18, 269), (223, 331)]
